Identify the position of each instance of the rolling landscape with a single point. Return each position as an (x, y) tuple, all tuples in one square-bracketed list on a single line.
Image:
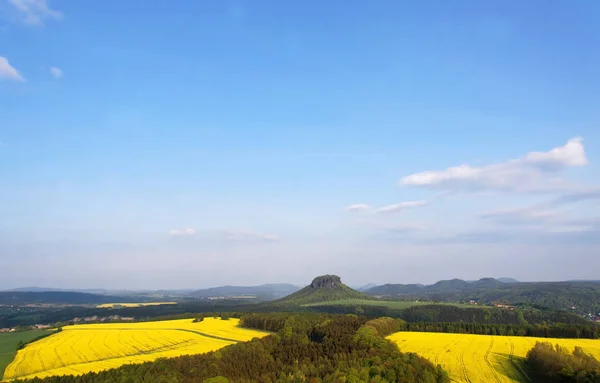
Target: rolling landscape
[(299, 191), (77, 337)]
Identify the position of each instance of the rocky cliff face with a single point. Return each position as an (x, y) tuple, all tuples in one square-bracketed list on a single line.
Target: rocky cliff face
[(326, 282)]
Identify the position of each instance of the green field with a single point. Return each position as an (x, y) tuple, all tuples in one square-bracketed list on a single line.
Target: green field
[(389, 304), (8, 345)]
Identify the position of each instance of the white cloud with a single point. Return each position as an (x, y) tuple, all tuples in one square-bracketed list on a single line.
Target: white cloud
[(185, 232), (358, 207), (236, 235), (535, 171), (9, 72), (56, 72), (400, 206), (35, 11)]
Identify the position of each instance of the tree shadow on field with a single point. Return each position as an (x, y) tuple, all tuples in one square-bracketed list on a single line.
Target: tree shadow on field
[(511, 366)]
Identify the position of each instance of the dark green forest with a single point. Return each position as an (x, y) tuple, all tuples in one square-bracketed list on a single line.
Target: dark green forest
[(305, 347)]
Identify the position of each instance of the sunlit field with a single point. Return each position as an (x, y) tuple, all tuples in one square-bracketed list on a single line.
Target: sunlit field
[(113, 305), (482, 358), (85, 348)]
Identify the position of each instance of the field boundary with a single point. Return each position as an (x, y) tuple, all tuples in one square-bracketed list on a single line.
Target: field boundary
[(170, 339)]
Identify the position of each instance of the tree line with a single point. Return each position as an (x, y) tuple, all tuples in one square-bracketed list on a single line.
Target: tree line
[(543, 330), (557, 365)]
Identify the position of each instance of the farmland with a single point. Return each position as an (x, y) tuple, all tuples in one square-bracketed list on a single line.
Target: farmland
[(85, 348), (115, 305), (389, 304), (8, 345), (482, 358)]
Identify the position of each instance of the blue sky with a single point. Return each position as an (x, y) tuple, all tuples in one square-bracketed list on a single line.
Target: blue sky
[(196, 143)]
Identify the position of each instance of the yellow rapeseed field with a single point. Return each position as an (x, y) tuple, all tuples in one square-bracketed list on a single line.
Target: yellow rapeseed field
[(482, 358), (111, 305), (85, 348)]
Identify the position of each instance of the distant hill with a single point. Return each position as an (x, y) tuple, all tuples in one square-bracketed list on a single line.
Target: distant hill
[(487, 283), (580, 297), (55, 297), (451, 285), (35, 289), (265, 292), (444, 286), (507, 280), (366, 287), (323, 288)]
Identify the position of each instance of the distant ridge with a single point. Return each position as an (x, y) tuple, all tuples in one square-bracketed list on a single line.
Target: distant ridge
[(322, 289), (365, 287), (264, 292), (55, 297), (444, 286), (581, 297), (35, 289)]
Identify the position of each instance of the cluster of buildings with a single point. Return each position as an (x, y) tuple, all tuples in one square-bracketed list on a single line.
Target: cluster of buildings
[(593, 317), (503, 306), (35, 326), (96, 318), (230, 297)]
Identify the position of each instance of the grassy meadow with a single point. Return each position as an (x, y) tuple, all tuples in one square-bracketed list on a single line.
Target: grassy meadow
[(80, 349), (389, 304), (8, 345), (482, 358)]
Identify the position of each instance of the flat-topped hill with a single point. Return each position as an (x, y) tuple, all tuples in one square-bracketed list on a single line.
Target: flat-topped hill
[(322, 289)]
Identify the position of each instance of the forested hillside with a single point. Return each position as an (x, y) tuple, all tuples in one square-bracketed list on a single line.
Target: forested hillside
[(580, 297)]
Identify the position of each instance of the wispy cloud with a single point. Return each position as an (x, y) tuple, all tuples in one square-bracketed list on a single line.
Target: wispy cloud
[(539, 220), (361, 207), (585, 194), (521, 215), (8, 72), (34, 12), (398, 227), (400, 206), (56, 72), (242, 235), (358, 207), (535, 171), (185, 232)]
